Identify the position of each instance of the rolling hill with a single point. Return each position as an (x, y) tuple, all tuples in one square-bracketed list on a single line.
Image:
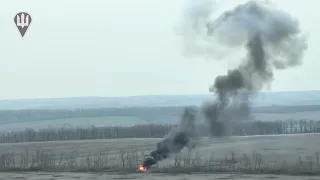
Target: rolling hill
[(262, 99), (108, 111)]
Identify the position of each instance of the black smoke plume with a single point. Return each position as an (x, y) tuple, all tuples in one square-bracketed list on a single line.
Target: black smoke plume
[(271, 39), (178, 138)]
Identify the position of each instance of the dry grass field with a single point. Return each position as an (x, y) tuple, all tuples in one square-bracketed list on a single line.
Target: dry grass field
[(146, 176), (276, 154)]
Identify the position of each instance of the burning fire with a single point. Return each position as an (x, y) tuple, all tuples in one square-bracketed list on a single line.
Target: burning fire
[(142, 168)]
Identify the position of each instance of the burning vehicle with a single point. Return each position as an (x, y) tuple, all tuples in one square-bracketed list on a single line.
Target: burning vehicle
[(174, 142)]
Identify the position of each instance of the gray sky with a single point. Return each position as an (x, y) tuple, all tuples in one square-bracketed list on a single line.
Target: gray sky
[(121, 48)]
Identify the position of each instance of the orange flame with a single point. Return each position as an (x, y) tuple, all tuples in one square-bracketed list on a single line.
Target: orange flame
[(142, 168)]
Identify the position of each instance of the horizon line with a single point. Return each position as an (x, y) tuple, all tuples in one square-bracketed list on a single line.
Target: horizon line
[(143, 95)]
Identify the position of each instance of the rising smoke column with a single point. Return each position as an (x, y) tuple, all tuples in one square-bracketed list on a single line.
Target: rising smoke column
[(178, 138), (272, 40)]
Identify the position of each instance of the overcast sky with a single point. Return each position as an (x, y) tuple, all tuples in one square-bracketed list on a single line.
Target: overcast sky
[(121, 48)]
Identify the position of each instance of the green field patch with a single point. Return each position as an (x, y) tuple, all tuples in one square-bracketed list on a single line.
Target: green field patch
[(82, 121)]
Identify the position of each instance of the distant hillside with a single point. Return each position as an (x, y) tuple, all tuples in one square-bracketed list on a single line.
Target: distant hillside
[(126, 111), (263, 99), (43, 118)]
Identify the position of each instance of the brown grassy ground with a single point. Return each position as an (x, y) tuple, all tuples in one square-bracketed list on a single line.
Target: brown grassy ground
[(284, 154), (146, 176)]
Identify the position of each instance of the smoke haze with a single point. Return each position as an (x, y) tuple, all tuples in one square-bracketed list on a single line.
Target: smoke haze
[(270, 38)]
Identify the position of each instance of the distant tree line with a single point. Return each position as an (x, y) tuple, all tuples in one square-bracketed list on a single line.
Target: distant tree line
[(156, 131), (276, 127), (151, 114)]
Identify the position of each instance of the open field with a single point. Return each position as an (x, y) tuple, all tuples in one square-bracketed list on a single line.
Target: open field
[(12, 120), (237, 128), (272, 146), (293, 154), (118, 120), (74, 122), (314, 115), (94, 176)]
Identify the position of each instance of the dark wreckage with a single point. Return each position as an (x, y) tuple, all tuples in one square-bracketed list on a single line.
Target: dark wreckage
[(174, 141)]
